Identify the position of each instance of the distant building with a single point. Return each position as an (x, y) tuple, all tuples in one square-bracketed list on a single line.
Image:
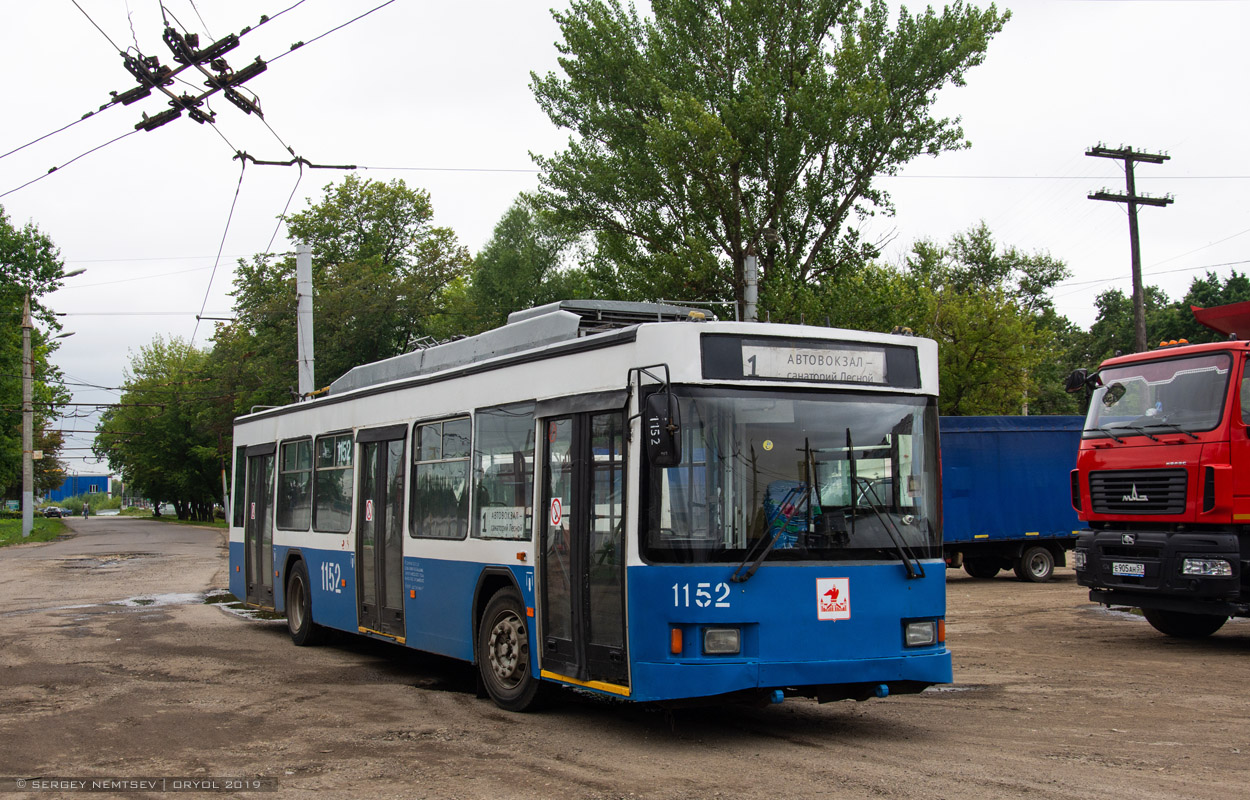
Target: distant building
[(81, 484)]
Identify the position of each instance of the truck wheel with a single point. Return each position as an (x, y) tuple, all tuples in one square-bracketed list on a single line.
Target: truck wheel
[(1036, 565), (503, 653), (1182, 625), (299, 619), (981, 567)]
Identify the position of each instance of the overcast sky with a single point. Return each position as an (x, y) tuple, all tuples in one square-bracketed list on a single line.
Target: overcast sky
[(438, 94)]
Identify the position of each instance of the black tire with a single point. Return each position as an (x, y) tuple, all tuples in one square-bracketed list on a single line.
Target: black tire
[(981, 567), (299, 620), (1182, 625), (503, 653), (1035, 565)]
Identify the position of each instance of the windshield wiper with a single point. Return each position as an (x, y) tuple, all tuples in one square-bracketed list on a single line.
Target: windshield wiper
[(1171, 425), (1103, 430), (900, 545), (739, 576), (1142, 430)]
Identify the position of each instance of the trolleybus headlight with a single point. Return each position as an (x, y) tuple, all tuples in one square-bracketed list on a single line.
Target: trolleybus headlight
[(1078, 559), (722, 641), (921, 634), (1216, 567)]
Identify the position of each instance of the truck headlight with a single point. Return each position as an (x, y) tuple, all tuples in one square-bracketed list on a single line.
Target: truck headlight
[(1212, 567), (1078, 559), (921, 634), (722, 641)]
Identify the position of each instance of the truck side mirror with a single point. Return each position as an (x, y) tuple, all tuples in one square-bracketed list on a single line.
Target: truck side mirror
[(1076, 381), (661, 427)]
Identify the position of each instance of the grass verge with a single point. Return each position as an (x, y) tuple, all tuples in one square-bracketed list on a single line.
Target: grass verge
[(45, 530)]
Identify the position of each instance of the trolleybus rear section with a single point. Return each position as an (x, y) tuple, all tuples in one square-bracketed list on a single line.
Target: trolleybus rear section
[(663, 510)]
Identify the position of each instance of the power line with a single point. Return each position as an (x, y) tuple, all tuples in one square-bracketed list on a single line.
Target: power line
[(97, 27), (299, 45), (220, 248), (67, 163)]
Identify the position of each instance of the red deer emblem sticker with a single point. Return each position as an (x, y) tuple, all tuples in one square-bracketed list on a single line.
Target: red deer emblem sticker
[(833, 598)]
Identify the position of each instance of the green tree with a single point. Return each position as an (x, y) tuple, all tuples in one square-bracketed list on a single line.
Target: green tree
[(1000, 343), (157, 436), (721, 127), (523, 265), (30, 264), (380, 272)]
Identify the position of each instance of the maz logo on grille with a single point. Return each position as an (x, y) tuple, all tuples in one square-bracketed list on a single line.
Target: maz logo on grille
[(1135, 497)]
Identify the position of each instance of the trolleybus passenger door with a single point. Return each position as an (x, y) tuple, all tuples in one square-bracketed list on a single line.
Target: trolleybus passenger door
[(258, 526), (379, 526), (583, 548)]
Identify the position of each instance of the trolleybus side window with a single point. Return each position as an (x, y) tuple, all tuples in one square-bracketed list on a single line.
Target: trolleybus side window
[(440, 485), (333, 484), (295, 485), (503, 472), (236, 491)]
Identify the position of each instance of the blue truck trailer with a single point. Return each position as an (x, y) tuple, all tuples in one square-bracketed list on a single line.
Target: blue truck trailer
[(1006, 493)]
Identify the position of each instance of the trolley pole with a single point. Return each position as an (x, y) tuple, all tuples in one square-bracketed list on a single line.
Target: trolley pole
[(1133, 199)]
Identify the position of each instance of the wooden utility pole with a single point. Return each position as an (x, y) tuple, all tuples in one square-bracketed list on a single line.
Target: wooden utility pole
[(1128, 155)]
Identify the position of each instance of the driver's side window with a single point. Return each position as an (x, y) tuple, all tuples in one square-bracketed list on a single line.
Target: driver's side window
[(1245, 396)]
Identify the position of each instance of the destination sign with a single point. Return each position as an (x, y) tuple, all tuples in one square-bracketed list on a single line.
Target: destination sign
[(833, 365), (829, 361)]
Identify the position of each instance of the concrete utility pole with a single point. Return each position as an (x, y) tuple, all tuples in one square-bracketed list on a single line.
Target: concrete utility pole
[(751, 288), (304, 318), (28, 426), (1128, 155)]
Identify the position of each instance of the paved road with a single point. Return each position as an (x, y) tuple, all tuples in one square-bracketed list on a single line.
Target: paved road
[(111, 666)]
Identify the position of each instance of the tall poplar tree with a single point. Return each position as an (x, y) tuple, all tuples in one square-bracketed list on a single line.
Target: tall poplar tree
[(717, 128)]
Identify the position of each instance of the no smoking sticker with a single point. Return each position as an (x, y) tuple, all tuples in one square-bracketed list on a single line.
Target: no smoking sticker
[(557, 512)]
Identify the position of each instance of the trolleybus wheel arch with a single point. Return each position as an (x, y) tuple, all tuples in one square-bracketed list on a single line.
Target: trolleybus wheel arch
[(503, 653), (299, 621), (1036, 564), (1182, 625)]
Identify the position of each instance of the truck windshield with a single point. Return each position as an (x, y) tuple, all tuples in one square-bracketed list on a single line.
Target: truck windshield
[(816, 476), (1148, 398)]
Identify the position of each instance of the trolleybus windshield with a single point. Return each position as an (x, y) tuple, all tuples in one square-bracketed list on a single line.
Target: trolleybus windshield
[(816, 476)]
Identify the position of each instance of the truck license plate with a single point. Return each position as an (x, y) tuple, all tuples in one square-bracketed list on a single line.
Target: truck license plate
[(1128, 569)]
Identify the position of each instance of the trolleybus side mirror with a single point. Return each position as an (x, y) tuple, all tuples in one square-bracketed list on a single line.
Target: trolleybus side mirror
[(661, 429)]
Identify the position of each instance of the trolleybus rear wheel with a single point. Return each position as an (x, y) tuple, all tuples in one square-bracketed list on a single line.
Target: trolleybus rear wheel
[(503, 653), (1182, 625), (1036, 565), (299, 608)]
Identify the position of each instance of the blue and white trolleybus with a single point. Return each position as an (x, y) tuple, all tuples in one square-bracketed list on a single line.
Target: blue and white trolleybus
[(619, 497)]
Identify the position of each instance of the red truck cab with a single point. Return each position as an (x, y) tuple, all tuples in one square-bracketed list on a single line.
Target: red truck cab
[(1163, 480)]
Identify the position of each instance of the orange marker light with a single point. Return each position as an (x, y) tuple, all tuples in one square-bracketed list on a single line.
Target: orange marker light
[(529, 611), (520, 556), (412, 594), (344, 583), (674, 643), (941, 631)]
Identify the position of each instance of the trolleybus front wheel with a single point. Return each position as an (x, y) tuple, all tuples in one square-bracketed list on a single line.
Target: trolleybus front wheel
[(503, 653), (299, 619), (1182, 625)]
